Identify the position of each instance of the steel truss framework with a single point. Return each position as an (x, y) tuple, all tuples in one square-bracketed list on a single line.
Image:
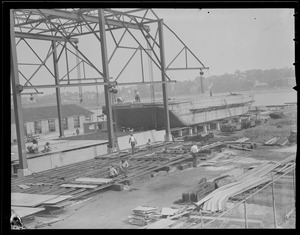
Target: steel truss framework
[(63, 28)]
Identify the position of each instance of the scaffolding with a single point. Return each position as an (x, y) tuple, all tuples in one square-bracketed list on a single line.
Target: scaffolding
[(61, 30)]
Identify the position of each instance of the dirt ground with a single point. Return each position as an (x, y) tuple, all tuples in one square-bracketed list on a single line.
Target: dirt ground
[(110, 209)]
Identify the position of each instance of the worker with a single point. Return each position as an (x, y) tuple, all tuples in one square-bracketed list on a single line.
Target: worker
[(119, 100), (47, 148), (123, 167), (112, 172), (133, 142), (194, 151), (34, 148), (77, 131), (148, 145), (137, 96)]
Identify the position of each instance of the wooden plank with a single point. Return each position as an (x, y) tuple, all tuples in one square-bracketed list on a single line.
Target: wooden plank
[(163, 223), (56, 200), (25, 211), (29, 200), (78, 186), (94, 180)]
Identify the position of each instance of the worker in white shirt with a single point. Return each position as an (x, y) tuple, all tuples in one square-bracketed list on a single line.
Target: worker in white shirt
[(133, 142), (123, 167), (194, 151), (112, 172)]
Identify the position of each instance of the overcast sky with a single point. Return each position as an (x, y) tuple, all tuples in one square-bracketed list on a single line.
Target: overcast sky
[(225, 40)]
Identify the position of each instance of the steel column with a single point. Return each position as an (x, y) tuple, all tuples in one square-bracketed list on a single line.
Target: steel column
[(163, 75), (57, 90), (110, 130), (23, 165)]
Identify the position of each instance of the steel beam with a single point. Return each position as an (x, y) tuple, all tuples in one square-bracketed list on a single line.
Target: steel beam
[(110, 130), (163, 76), (57, 90), (43, 37), (152, 82), (76, 17), (23, 165)]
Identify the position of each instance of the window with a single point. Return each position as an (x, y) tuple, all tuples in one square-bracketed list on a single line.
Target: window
[(65, 123), (87, 118), (51, 124), (76, 121), (37, 127)]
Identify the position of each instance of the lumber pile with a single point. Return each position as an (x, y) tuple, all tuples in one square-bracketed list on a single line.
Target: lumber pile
[(217, 200), (272, 141), (223, 180), (143, 215), (282, 141), (198, 192), (235, 146)]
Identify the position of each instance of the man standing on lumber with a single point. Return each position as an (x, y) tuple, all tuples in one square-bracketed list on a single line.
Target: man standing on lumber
[(194, 151), (133, 142)]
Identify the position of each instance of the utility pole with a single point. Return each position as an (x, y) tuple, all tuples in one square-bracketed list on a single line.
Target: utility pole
[(108, 101), (17, 89), (168, 136)]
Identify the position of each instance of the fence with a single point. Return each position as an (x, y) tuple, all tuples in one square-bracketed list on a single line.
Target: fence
[(268, 207)]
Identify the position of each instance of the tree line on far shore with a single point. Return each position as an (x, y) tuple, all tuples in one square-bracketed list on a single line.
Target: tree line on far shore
[(238, 81)]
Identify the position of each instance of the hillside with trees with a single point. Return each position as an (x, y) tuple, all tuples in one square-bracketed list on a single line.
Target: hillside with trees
[(249, 80)]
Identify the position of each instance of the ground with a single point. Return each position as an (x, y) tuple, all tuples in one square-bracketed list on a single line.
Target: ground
[(111, 209)]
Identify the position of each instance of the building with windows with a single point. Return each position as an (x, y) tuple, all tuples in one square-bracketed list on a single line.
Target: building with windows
[(42, 120)]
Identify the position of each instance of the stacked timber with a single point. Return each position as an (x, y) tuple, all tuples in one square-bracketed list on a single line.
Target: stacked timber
[(223, 180), (198, 192), (272, 141), (217, 200), (143, 215)]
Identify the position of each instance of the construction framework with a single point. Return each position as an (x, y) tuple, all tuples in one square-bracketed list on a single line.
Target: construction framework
[(62, 28)]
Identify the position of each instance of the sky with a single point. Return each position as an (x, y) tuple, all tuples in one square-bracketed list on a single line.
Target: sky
[(225, 40)]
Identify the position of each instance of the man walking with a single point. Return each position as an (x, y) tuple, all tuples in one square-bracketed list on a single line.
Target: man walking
[(133, 142), (194, 151)]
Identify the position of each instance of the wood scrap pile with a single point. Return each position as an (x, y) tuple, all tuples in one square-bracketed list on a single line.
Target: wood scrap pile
[(221, 159), (217, 200), (282, 141), (272, 141), (198, 192), (143, 215), (223, 180), (286, 164)]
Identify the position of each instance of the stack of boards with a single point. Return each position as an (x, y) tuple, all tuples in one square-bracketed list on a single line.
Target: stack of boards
[(25, 204), (143, 215)]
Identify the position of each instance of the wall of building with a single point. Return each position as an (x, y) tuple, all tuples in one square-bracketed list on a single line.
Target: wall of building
[(141, 138), (57, 159), (71, 123), (30, 127), (45, 126)]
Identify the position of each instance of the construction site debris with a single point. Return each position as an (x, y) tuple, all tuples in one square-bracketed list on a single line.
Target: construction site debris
[(98, 181), (78, 186), (272, 141), (198, 192), (142, 215), (216, 201), (23, 211)]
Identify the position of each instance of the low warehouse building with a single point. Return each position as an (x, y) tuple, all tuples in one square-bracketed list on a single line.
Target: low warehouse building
[(42, 120)]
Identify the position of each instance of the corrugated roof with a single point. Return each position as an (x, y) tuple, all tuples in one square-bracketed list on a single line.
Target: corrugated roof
[(49, 112)]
